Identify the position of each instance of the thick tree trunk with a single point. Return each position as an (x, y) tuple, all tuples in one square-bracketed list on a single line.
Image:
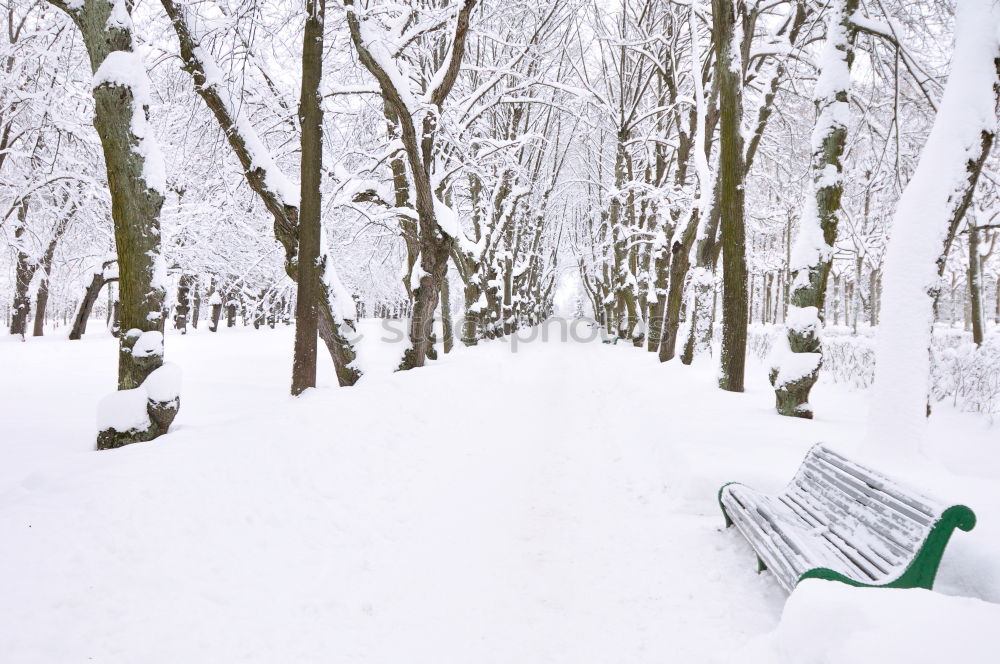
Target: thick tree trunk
[(929, 210), (731, 197), (311, 121), (135, 180)]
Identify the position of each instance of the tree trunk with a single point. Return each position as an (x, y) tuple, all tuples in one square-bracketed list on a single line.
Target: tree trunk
[(183, 309), (975, 286), (311, 121), (449, 339), (86, 306), (196, 310), (679, 263), (271, 186), (944, 181), (731, 197), (23, 274), (135, 180)]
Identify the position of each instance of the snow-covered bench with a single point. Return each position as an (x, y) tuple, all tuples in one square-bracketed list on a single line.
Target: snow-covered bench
[(841, 521)]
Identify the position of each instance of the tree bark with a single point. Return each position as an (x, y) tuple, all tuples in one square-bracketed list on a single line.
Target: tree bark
[(975, 286), (812, 255), (23, 274), (136, 187), (311, 121), (731, 197), (181, 313)]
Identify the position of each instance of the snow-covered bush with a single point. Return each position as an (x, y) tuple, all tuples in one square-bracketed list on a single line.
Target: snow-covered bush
[(849, 359), (967, 375)]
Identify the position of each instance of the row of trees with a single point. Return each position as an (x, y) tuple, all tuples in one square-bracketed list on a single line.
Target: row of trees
[(694, 163)]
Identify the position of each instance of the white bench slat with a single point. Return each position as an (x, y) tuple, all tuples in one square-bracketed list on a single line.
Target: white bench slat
[(873, 568), (863, 491), (767, 549), (840, 501), (794, 542), (928, 506)]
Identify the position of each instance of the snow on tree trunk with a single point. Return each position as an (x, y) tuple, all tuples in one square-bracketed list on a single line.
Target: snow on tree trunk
[(941, 186), (796, 359), (136, 179)]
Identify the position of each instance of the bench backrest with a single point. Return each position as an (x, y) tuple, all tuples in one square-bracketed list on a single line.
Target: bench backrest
[(885, 522)]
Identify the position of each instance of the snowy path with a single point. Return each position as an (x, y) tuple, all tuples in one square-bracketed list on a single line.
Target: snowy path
[(552, 505)]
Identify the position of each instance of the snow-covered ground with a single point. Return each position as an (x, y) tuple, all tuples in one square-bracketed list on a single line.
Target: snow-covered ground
[(554, 504)]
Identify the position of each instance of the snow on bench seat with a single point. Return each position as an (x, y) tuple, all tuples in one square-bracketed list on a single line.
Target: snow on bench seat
[(841, 521)]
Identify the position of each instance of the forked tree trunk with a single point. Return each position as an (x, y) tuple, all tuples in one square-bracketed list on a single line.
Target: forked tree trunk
[(679, 263), (418, 129), (45, 265)]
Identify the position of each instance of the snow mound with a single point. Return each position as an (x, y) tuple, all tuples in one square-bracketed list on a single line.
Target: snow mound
[(825, 622), (164, 384), (123, 410)]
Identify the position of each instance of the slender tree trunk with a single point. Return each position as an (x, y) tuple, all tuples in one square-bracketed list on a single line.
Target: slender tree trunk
[(23, 274), (87, 306), (196, 310), (311, 120), (975, 286), (731, 196), (679, 263), (183, 309), (449, 339)]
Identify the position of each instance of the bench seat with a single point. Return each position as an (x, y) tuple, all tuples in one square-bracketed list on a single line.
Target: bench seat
[(842, 521)]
